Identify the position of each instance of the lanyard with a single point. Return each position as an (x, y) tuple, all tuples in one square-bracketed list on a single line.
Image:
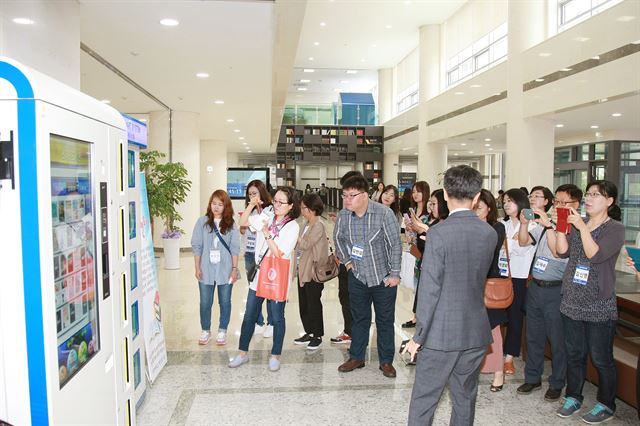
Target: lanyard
[(364, 224)]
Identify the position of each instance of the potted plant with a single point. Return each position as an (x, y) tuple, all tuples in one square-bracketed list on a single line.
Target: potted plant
[(167, 187)]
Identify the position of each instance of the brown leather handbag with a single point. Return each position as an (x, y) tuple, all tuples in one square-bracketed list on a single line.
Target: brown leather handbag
[(498, 292)]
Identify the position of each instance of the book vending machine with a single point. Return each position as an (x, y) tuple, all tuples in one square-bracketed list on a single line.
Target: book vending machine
[(65, 323)]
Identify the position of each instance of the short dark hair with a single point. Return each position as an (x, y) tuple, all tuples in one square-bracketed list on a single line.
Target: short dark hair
[(548, 195), (443, 208), (609, 190), (574, 192), (488, 198), (313, 203), (349, 175), (462, 182), (525, 190), (356, 182), (519, 197), (293, 198)]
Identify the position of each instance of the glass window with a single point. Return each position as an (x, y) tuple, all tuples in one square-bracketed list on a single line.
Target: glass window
[(482, 59), (74, 254), (600, 151), (571, 12), (582, 153), (132, 169), (562, 155), (133, 269)]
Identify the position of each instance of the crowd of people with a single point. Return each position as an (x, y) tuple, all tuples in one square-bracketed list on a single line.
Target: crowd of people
[(558, 252)]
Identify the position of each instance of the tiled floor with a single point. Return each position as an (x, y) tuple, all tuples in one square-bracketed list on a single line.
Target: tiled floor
[(197, 387)]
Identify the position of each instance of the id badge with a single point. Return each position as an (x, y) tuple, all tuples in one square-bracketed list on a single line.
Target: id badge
[(503, 265), (357, 252), (540, 265), (214, 256), (581, 276)]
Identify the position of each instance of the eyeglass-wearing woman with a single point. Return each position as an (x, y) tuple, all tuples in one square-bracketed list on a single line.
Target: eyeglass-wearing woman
[(256, 190), (277, 237), (311, 251), (588, 307), (215, 242)]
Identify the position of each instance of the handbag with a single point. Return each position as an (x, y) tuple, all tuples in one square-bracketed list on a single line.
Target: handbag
[(415, 251), (328, 270), (251, 273), (273, 280), (498, 292)]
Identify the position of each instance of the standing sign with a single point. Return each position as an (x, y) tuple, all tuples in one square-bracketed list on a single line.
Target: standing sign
[(152, 329), (405, 180)]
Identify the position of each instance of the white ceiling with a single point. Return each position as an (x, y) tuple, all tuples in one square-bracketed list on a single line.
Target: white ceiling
[(325, 85), (229, 40)]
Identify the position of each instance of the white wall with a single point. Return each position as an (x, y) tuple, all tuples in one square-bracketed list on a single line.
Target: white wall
[(405, 74), (51, 45), (213, 169)]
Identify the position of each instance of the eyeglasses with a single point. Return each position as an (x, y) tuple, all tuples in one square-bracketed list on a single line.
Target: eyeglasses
[(593, 195), (280, 203), (351, 196), (254, 194), (563, 203)]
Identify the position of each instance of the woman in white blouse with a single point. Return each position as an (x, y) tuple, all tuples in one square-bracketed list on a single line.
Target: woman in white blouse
[(276, 235), (520, 258)]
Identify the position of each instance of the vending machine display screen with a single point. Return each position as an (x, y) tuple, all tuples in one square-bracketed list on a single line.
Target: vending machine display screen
[(74, 254)]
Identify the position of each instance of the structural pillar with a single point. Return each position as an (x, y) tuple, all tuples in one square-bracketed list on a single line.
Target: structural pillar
[(385, 95), (390, 169), (184, 148), (432, 157), (530, 141)]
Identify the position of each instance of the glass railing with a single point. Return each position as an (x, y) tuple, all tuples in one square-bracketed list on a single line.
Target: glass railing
[(330, 114)]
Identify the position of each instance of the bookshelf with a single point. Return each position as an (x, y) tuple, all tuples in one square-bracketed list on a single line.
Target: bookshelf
[(304, 144)]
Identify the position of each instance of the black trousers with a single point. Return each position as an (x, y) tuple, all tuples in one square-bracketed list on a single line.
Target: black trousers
[(309, 299), (515, 312), (343, 295)]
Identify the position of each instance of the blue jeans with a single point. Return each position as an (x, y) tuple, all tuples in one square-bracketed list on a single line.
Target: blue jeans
[(594, 338), (206, 302), (249, 261), (254, 306), (384, 303)]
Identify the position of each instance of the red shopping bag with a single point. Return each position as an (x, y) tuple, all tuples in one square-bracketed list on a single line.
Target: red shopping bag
[(273, 279)]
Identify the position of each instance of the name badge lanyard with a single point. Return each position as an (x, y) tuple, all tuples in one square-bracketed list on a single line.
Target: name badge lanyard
[(357, 250)]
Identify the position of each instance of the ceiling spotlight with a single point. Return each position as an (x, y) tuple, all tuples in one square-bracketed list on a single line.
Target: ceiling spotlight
[(459, 93), (236, 130), (487, 144), (597, 58), (230, 120), (302, 89), (487, 139), (218, 102), (544, 54), (105, 101), (539, 80), (604, 100), (616, 114), (362, 60), (308, 70), (388, 26), (316, 43), (595, 127), (455, 154), (344, 81), (336, 90), (23, 21), (305, 81), (352, 72), (490, 149), (311, 58), (249, 151), (470, 152), (323, 24), (374, 45), (625, 18), (415, 153), (565, 69), (202, 75), (475, 86), (168, 22), (244, 143), (463, 144), (559, 126), (241, 138)]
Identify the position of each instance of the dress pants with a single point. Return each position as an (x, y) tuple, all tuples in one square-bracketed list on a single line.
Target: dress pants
[(310, 304), (515, 313), (343, 296)]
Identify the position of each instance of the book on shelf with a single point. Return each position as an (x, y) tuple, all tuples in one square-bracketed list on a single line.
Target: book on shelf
[(333, 132), (333, 141), (343, 132), (315, 131), (289, 131), (307, 130)]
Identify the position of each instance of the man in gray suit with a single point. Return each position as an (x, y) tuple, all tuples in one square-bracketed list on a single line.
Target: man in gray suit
[(452, 330)]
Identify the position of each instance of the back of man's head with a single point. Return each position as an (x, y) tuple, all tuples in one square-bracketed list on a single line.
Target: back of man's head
[(574, 192), (349, 175), (357, 182), (462, 182)]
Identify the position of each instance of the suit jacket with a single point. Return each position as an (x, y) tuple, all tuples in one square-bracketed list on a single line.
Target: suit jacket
[(313, 248), (451, 315)]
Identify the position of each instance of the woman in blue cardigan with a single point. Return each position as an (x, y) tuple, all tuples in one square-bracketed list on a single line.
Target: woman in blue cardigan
[(216, 245)]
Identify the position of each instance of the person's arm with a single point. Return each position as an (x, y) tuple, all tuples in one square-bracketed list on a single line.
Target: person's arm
[(312, 237), (394, 245), (234, 248), (196, 246), (609, 245), (562, 245), (524, 238), (244, 219), (341, 239), (273, 247)]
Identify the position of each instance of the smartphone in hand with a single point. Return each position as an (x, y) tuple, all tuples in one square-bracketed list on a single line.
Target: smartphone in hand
[(562, 225)]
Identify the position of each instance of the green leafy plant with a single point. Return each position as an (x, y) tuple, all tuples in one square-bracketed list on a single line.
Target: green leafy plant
[(167, 187)]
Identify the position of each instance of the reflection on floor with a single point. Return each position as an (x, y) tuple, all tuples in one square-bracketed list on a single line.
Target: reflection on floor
[(197, 387)]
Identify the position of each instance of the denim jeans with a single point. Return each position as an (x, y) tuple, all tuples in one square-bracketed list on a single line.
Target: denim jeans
[(206, 302), (596, 339), (249, 261), (254, 306), (384, 303)]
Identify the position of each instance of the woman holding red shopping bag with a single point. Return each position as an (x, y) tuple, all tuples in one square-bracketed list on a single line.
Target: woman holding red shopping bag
[(277, 234)]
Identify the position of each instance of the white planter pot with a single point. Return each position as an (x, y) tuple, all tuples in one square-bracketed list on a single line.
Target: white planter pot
[(171, 253)]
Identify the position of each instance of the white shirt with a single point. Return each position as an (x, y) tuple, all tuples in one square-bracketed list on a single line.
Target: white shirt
[(520, 258)]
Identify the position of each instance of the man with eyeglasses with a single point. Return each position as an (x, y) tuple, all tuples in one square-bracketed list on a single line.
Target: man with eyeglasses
[(367, 238), (543, 298)]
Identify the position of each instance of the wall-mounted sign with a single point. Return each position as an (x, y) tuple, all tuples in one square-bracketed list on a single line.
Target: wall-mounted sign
[(136, 131)]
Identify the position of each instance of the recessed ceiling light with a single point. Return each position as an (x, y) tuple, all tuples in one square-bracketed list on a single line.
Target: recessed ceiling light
[(487, 139), (544, 54), (559, 126), (487, 144), (566, 69), (236, 130), (311, 58), (316, 43), (105, 101), (344, 81), (323, 24), (406, 148), (219, 102), (475, 86), (595, 127), (305, 81), (616, 114), (168, 22), (388, 26), (455, 154), (241, 138), (362, 60), (202, 75), (336, 90), (490, 149), (249, 151), (470, 152), (539, 80), (352, 72), (583, 39), (374, 45), (230, 120), (625, 18), (302, 89), (463, 144), (597, 58), (415, 153), (459, 93), (604, 100), (23, 21), (407, 1), (308, 70), (244, 143)]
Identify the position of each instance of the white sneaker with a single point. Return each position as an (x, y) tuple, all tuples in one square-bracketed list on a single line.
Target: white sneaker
[(259, 329), (205, 336), (221, 340), (274, 364), (268, 331)]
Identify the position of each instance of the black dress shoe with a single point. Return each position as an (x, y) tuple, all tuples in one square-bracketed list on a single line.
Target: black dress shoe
[(527, 388), (409, 324), (552, 394)]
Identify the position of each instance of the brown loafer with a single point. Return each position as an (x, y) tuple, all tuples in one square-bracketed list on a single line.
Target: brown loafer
[(351, 365), (509, 369), (388, 370)]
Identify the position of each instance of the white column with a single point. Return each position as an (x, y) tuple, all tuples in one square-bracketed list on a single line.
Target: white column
[(432, 158), (385, 95), (185, 148), (213, 169), (390, 169), (530, 141), (51, 44)]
